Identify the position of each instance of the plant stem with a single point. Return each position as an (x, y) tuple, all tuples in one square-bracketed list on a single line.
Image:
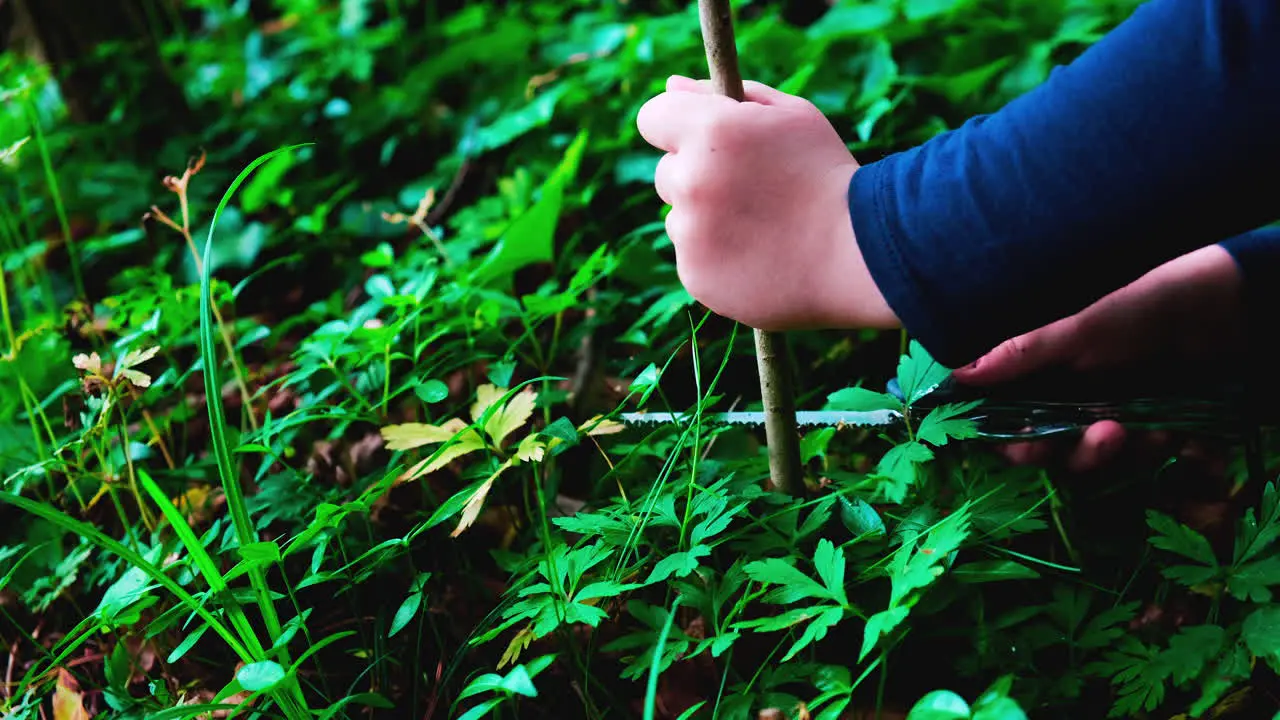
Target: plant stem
[(771, 359)]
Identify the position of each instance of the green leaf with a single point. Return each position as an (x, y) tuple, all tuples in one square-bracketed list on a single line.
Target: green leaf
[(918, 373), (260, 552), (530, 238), (511, 125), (878, 625), (1178, 538), (939, 705), (680, 564), (816, 630), (1002, 708), (1191, 650), (431, 391), (1258, 533), (1261, 631), (899, 468), (860, 518), (603, 589), (829, 562), (188, 642), (860, 399), (260, 676), (914, 567), (852, 18), (519, 682), (1252, 581), (792, 584), (944, 423), (407, 611), (919, 10), (481, 710), (814, 444)]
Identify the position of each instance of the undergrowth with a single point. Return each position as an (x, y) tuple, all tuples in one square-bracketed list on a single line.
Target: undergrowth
[(311, 410)]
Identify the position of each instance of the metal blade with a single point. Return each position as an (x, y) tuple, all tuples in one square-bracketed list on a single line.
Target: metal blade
[(804, 418)]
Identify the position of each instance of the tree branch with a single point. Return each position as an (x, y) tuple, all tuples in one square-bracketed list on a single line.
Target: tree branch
[(771, 357)]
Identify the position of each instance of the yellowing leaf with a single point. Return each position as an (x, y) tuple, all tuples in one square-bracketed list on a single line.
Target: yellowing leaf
[(486, 395), (595, 426), (134, 358), (518, 644), (407, 436), (138, 379), (475, 503), (9, 155), (516, 413), (89, 363), (530, 449), (469, 441)]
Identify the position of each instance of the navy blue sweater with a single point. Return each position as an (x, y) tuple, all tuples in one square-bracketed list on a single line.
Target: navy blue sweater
[(1161, 138)]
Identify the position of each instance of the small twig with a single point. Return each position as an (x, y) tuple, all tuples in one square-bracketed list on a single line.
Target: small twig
[(771, 358), (440, 208), (178, 186)]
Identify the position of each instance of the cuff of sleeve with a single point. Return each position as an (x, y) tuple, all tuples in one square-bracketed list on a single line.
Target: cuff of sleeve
[(1257, 254), (869, 204)]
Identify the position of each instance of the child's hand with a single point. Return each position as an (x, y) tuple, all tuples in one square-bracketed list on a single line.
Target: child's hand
[(759, 212), (1188, 309)]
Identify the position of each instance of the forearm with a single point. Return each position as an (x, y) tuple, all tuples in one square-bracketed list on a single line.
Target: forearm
[(1158, 140)]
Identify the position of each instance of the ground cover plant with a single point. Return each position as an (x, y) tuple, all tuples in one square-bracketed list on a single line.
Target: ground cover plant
[(317, 318)]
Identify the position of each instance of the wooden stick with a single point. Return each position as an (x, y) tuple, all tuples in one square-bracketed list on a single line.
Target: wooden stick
[(771, 349)]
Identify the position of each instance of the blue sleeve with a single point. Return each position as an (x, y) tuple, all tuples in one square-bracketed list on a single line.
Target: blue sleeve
[(1257, 255), (1161, 138)]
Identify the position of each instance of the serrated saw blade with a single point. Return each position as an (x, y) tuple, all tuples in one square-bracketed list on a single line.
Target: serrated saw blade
[(804, 418)]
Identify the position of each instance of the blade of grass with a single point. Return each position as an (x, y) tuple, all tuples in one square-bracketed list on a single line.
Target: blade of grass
[(95, 536), (651, 692), (203, 561), (51, 179), (236, 504)]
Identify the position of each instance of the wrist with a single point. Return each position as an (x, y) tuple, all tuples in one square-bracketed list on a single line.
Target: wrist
[(855, 300), (1204, 297)]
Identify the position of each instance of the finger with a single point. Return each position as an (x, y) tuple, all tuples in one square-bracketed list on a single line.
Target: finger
[(668, 119), (1023, 354), (1099, 444), (664, 178), (677, 229), (756, 92), (1030, 452), (680, 83)]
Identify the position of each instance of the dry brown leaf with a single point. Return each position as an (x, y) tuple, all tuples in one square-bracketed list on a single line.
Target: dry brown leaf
[(68, 701)]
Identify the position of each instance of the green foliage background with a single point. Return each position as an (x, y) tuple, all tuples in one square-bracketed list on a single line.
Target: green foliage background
[(398, 492)]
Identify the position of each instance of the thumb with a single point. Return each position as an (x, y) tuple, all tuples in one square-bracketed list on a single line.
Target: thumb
[(1050, 345), (680, 83), (753, 91)]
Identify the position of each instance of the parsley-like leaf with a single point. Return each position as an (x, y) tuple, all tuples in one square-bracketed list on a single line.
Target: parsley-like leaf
[(899, 468), (945, 422), (1252, 580), (792, 585), (860, 399), (1258, 533), (829, 562), (1261, 632), (878, 625), (816, 630), (1178, 538), (918, 373)]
